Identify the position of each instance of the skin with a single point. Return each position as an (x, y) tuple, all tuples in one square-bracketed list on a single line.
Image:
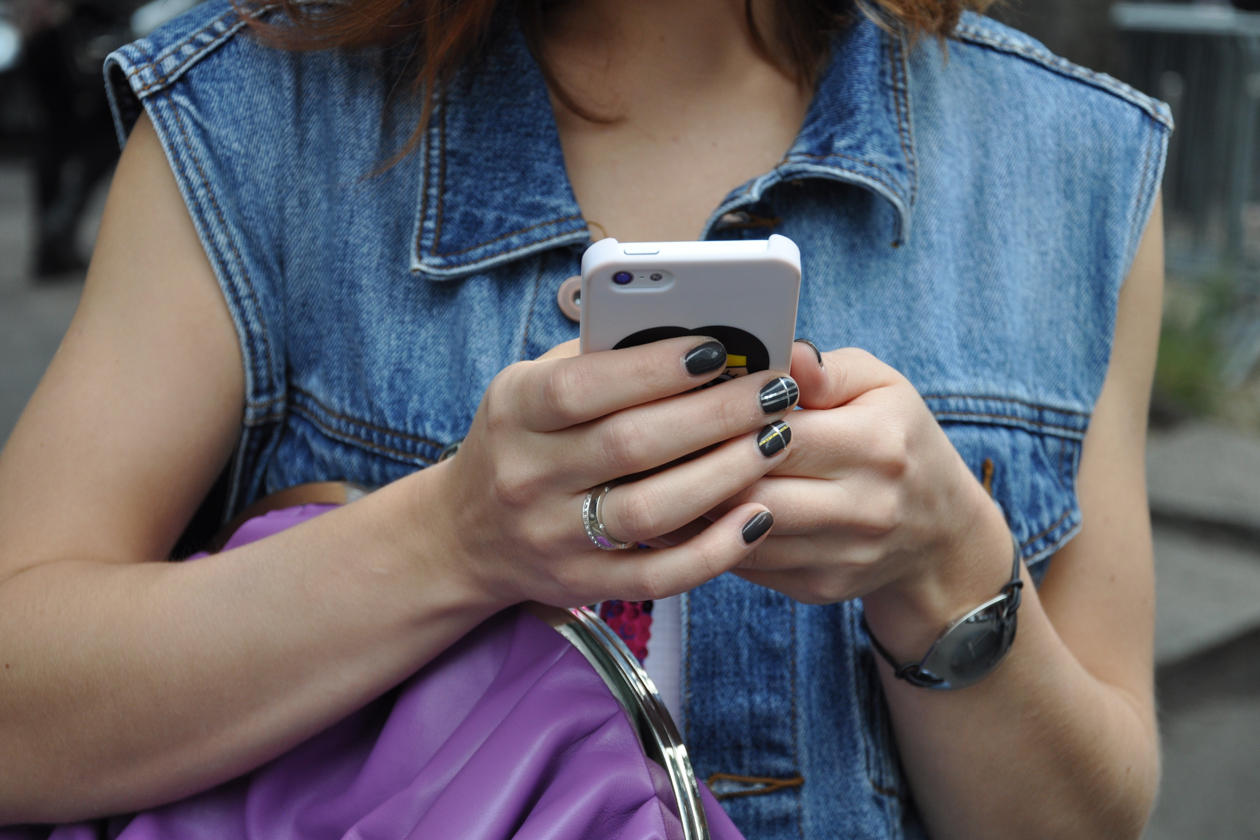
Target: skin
[(127, 681), (694, 109)]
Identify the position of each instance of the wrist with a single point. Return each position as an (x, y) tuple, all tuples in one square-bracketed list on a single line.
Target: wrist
[(970, 567), (433, 545)]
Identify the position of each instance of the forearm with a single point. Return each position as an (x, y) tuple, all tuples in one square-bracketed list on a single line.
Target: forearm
[(1061, 740), (126, 685), (1040, 748)]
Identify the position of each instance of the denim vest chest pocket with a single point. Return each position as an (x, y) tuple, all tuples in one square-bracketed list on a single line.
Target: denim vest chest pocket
[(385, 395), (1028, 457)]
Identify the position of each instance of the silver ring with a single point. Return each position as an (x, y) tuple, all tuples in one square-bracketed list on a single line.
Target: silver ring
[(593, 520)]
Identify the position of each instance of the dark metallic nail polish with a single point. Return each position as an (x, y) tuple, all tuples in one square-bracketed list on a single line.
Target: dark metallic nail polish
[(778, 395), (755, 528), (812, 346), (706, 358), (774, 438)]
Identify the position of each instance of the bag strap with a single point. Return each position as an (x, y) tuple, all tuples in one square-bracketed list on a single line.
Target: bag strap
[(314, 493)]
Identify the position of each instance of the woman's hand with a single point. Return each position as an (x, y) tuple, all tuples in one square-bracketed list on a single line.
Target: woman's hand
[(508, 507), (874, 501)]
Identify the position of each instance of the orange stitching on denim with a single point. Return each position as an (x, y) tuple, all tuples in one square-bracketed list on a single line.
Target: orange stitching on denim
[(262, 405), (162, 80), (265, 420), (176, 47), (351, 440), (1011, 400), (1042, 534), (244, 271), (363, 424), (188, 39), (1010, 417), (771, 785), (986, 476)]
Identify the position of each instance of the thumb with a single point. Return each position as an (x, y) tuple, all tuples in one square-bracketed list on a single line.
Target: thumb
[(807, 370), (847, 374), (561, 351)]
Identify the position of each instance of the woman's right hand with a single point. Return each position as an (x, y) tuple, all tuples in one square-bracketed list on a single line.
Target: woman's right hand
[(508, 508)]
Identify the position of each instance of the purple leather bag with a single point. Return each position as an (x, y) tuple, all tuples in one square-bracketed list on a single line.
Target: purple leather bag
[(511, 733)]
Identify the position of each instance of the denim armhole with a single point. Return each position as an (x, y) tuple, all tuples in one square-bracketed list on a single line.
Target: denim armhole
[(156, 75)]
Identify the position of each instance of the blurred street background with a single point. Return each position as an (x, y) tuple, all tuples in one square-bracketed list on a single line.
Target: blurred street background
[(1203, 58)]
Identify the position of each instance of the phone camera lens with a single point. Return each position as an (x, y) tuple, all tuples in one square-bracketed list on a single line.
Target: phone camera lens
[(657, 276), (621, 278)]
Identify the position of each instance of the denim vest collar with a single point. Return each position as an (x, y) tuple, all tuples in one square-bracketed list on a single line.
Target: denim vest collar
[(494, 186)]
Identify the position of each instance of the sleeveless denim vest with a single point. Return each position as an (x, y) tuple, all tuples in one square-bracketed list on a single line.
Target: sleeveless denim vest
[(967, 217)]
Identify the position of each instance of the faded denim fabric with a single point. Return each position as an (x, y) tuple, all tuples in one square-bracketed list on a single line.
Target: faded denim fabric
[(969, 222)]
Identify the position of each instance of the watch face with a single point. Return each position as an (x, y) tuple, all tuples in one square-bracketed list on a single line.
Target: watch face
[(970, 648)]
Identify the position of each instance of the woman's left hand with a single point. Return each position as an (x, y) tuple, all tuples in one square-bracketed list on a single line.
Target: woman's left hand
[(874, 501)]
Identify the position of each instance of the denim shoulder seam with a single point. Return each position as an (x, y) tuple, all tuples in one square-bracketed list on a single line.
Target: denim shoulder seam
[(148, 73), (192, 52), (980, 31)]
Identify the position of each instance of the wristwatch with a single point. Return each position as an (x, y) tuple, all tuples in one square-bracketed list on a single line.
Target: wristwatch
[(971, 646)]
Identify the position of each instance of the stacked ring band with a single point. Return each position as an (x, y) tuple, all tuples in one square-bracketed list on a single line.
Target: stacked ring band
[(593, 520)]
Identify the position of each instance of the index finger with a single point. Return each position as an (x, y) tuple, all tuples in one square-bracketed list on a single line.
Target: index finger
[(558, 393)]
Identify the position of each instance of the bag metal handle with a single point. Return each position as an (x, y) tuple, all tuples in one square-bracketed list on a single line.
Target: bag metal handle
[(634, 691)]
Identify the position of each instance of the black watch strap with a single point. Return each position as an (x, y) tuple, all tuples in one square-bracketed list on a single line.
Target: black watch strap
[(970, 647)]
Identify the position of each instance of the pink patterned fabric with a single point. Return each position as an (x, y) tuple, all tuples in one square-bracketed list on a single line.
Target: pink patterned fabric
[(632, 621)]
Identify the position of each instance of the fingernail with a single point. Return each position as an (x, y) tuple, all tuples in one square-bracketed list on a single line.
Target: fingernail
[(812, 346), (755, 528), (706, 358), (774, 438), (778, 395)]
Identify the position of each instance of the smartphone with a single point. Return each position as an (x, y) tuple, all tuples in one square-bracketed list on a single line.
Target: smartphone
[(743, 293)]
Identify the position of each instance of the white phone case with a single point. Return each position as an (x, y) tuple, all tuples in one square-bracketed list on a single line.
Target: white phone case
[(743, 293)]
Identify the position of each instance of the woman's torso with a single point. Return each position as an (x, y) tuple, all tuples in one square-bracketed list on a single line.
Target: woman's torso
[(968, 221)]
